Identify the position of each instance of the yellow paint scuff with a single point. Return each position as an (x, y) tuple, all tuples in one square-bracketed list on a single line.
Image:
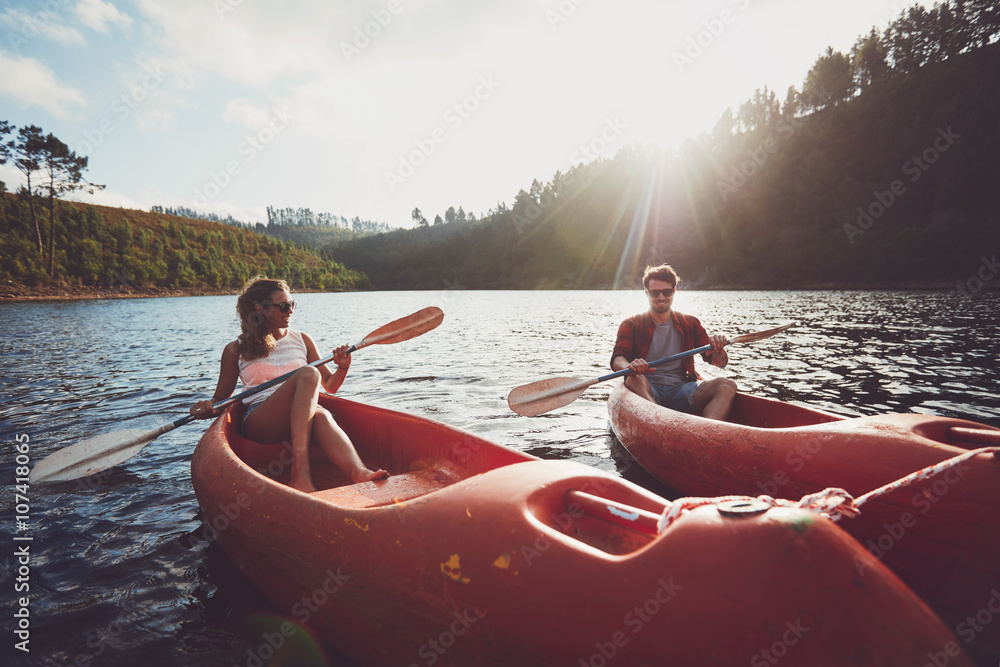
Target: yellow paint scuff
[(350, 521), (453, 568), (503, 562)]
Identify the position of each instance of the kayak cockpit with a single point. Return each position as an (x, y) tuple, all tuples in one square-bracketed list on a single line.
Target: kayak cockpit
[(759, 412), (422, 456)]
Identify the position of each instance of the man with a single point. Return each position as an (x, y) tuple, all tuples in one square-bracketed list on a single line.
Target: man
[(662, 332)]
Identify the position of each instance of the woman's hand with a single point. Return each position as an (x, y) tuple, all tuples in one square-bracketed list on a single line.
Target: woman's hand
[(203, 410), (341, 358)]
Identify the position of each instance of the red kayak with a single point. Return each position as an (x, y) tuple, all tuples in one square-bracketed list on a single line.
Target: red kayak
[(940, 535), (473, 553)]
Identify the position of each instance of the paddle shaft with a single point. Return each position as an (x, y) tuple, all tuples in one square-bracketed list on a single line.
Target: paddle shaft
[(261, 387), (540, 397), (250, 392), (584, 384), (658, 362), (149, 436)]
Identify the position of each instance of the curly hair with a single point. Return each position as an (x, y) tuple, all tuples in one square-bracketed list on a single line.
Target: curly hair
[(256, 341), (663, 272)]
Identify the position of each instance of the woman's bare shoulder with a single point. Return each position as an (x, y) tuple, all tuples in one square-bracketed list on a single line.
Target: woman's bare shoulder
[(231, 351)]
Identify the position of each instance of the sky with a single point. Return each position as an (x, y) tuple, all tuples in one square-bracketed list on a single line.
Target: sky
[(370, 109)]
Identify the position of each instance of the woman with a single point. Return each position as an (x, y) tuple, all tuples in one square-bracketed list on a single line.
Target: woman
[(267, 349)]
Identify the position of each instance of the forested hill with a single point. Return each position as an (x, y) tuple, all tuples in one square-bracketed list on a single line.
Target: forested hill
[(133, 251), (881, 172)]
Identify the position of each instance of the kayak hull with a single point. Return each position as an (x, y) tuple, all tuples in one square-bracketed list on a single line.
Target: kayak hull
[(472, 554), (940, 535)]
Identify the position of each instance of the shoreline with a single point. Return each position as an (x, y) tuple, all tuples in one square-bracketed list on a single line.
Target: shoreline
[(15, 293)]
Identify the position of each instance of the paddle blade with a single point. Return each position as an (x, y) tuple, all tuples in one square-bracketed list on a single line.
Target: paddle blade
[(761, 335), (91, 456), (531, 400), (404, 328)]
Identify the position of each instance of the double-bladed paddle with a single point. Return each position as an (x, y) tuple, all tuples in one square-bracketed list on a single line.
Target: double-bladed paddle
[(105, 451), (544, 396)]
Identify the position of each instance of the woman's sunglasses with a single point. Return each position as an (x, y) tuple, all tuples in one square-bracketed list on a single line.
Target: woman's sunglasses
[(656, 293), (285, 306)]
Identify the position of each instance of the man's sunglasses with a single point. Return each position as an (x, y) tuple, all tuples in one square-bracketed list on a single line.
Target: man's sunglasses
[(285, 306), (656, 293)]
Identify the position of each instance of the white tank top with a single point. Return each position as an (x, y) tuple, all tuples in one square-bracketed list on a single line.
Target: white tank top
[(289, 354)]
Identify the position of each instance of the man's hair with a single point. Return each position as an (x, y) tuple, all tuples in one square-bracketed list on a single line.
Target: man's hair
[(663, 272)]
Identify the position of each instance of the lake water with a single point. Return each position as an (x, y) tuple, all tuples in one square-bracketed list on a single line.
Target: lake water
[(120, 573)]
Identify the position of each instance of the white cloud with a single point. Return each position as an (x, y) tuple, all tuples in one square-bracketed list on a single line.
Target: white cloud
[(97, 15), (32, 84), (25, 27), (245, 112)]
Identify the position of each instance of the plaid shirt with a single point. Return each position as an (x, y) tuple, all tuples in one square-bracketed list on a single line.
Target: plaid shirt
[(635, 335)]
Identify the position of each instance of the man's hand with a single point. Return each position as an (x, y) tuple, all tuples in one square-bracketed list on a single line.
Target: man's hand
[(718, 356), (640, 366)]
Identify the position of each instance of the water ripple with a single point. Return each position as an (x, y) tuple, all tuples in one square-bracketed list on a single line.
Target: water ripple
[(123, 573)]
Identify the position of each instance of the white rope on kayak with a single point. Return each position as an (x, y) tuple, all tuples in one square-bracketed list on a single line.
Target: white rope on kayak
[(832, 503)]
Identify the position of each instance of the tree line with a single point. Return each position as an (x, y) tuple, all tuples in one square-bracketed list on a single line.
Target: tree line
[(57, 171), (107, 247), (918, 37), (451, 216), (867, 176)]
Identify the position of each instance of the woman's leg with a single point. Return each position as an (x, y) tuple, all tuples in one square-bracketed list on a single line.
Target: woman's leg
[(339, 448), (289, 413), (292, 411)]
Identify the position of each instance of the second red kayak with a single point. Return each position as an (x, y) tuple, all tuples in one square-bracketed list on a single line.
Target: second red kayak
[(940, 535)]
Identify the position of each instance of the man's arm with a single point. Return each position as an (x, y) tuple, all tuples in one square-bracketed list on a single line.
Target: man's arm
[(624, 345)]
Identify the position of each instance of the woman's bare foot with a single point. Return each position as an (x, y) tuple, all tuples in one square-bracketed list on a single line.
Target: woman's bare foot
[(366, 475)]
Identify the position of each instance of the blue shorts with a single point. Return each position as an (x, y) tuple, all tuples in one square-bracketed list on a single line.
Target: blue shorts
[(678, 397), (243, 424)]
